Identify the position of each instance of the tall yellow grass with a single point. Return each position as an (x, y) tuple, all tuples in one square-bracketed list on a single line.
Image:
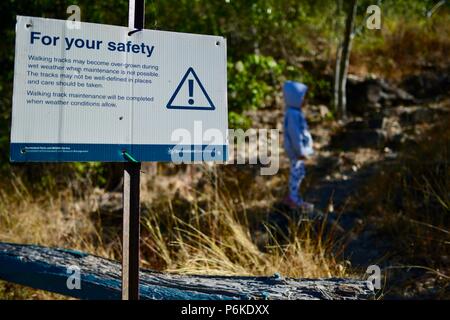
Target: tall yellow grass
[(185, 229)]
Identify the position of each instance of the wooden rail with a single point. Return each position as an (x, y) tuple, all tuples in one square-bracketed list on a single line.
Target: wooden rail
[(46, 268)]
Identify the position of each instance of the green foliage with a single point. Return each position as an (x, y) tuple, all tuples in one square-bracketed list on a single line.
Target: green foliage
[(266, 39), (95, 171), (238, 120), (256, 81), (252, 81)]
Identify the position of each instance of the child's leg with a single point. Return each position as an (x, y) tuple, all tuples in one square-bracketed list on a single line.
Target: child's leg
[(295, 179)]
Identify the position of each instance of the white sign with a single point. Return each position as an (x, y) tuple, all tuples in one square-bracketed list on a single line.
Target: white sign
[(98, 93)]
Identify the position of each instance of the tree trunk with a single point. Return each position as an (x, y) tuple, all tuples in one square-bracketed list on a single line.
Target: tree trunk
[(345, 58), (338, 57)]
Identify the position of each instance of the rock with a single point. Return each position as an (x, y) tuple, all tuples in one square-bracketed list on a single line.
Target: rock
[(316, 113), (428, 84), (328, 163), (394, 132), (362, 95), (393, 95), (414, 115), (357, 124), (324, 111), (371, 94), (376, 122), (397, 140), (361, 138)]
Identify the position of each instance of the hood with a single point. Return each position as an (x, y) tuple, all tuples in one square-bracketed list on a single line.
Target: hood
[(294, 93)]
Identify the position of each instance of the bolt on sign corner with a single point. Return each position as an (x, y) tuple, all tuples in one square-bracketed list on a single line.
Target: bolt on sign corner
[(97, 93)]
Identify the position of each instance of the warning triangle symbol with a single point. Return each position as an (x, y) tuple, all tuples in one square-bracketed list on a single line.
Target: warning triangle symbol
[(190, 94)]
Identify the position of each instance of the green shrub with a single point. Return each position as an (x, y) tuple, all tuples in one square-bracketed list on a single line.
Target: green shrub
[(256, 81)]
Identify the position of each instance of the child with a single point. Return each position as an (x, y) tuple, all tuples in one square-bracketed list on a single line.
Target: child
[(297, 142)]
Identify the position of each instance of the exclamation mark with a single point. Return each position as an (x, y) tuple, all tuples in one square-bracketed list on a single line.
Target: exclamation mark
[(191, 91)]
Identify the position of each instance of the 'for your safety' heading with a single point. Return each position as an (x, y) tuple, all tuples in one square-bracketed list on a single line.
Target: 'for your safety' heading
[(70, 43)]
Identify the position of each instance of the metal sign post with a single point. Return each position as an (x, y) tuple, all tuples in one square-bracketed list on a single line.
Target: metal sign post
[(131, 194), (131, 231)]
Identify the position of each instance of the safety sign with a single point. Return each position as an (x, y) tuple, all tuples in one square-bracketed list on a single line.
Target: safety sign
[(100, 92)]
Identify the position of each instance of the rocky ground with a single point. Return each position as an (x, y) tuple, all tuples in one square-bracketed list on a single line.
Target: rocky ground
[(383, 119)]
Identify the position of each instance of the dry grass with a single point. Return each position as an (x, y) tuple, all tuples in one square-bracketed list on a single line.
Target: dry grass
[(214, 236), (403, 47), (198, 225), (49, 221)]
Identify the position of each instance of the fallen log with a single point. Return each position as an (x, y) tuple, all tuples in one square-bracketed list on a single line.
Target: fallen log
[(47, 269)]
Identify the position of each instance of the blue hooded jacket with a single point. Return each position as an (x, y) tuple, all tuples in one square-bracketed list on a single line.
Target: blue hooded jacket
[(297, 139)]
